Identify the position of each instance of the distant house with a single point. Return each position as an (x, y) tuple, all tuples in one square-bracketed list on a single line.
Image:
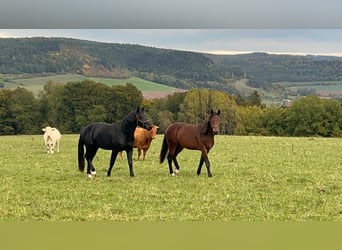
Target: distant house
[(286, 103)]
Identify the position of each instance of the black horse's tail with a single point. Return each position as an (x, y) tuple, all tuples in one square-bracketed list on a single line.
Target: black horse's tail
[(163, 150), (80, 154)]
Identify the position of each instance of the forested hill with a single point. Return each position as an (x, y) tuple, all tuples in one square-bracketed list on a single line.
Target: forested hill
[(262, 69), (61, 55), (180, 69)]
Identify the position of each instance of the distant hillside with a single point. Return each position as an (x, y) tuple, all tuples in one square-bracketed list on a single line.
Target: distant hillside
[(179, 69), (262, 69)]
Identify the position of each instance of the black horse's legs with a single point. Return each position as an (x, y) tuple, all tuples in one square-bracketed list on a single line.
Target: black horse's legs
[(89, 155), (130, 161), (112, 161)]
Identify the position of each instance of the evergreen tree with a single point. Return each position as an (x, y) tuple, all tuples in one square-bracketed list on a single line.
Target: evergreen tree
[(254, 99)]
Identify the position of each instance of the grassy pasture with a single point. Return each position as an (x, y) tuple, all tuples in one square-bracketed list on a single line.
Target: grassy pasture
[(254, 179), (35, 84), (325, 88)]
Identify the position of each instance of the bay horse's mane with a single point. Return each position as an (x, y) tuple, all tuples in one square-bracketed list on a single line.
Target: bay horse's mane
[(205, 127)]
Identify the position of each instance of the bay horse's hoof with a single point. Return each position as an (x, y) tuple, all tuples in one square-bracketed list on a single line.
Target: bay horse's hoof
[(176, 171), (173, 174), (92, 174)]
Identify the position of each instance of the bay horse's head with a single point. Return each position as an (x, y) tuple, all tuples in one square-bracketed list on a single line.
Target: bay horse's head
[(142, 121), (214, 121)]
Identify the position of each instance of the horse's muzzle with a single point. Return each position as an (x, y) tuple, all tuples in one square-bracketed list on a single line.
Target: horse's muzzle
[(145, 124), (216, 131)]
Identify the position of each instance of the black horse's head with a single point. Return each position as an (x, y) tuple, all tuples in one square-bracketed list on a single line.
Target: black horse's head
[(142, 121)]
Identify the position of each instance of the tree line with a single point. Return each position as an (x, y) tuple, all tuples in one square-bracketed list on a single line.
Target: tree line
[(71, 106)]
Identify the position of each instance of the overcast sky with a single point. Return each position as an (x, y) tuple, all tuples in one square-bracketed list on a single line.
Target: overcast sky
[(216, 26), (227, 41)]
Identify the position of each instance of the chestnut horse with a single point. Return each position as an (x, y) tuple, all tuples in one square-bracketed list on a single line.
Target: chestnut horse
[(181, 135)]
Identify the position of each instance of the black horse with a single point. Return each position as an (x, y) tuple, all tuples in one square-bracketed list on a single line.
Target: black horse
[(116, 137)]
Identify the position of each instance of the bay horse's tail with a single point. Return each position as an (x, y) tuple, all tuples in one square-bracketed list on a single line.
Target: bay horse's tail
[(80, 154), (163, 150)]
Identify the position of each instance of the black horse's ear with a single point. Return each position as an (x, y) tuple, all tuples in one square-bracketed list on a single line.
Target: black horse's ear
[(138, 110), (143, 109), (218, 112)]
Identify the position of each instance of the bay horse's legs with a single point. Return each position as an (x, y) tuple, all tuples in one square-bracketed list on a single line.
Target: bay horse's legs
[(178, 150), (200, 166), (172, 156), (169, 161), (172, 149), (112, 161), (204, 158), (207, 164), (89, 155)]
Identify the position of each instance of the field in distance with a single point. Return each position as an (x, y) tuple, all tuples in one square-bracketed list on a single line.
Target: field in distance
[(148, 88)]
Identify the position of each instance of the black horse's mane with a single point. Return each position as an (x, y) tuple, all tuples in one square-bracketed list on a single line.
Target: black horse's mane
[(128, 120)]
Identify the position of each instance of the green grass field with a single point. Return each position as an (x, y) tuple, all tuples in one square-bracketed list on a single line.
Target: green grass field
[(324, 88), (254, 179)]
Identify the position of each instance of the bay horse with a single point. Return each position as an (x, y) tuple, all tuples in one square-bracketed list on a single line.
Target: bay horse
[(116, 137), (181, 135)]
